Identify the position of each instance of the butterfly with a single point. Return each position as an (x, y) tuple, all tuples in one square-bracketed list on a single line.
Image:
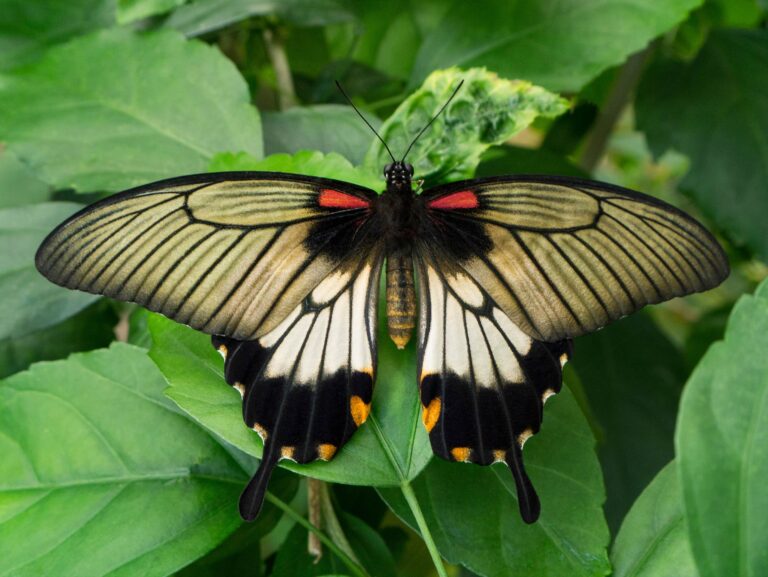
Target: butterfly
[(495, 276)]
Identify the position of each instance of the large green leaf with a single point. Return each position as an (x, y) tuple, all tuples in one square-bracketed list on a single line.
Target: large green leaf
[(390, 447), (17, 186), (29, 302), (325, 127), (486, 111), (240, 553), (721, 442), (633, 376), (26, 28), (560, 44), (502, 160), (204, 16), (715, 110), (473, 514), (130, 10), (91, 328), (114, 109), (653, 540), (102, 475)]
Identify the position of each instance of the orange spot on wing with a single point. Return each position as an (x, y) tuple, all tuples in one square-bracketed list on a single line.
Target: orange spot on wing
[(326, 451), (461, 453), (456, 200), (431, 414), (359, 410), (330, 198)]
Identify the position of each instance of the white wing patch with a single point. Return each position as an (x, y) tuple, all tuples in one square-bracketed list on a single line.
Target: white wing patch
[(332, 330), (466, 334)]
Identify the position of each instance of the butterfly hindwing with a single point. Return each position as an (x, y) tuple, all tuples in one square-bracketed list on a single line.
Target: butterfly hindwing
[(307, 384), (483, 381), (562, 256), (226, 253)]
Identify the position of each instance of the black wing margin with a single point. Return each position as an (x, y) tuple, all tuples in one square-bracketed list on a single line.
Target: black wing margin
[(562, 256)]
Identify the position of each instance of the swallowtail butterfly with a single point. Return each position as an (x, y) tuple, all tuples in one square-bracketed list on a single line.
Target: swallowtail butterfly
[(496, 275)]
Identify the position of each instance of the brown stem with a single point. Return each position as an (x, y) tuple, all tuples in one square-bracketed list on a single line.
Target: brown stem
[(614, 105), (286, 93), (314, 546)]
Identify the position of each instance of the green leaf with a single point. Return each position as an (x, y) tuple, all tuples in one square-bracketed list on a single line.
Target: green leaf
[(293, 559), (101, 474), (369, 547), (633, 376), (392, 34), (240, 553), (473, 514), (91, 328), (560, 44), (511, 160), (307, 162), (487, 110), (653, 540), (27, 28), (113, 110), (715, 110), (17, 185), (721, 438), (29, 302), (131, 10), (325, 127), (389, 447), (204, 16)]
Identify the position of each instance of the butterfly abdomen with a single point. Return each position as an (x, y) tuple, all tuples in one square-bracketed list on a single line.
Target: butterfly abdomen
[(401, 297)]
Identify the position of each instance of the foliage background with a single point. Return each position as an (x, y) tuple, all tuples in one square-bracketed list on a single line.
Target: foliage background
[(126, 458)]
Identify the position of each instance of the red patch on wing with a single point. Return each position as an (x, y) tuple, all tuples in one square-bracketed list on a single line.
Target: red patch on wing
[(330, 198), (461, 199)]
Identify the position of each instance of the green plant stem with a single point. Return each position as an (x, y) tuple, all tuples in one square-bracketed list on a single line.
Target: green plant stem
[(353, 567), (426, 535)]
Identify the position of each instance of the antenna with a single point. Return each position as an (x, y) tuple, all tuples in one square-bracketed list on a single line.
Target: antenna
[(439, 112), (392, 156)]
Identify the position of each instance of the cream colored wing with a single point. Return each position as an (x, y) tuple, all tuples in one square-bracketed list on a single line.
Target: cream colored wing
[(229, 253), (563, 257)]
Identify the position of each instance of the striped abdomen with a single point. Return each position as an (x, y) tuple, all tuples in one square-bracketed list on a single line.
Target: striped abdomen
[(401, 298)]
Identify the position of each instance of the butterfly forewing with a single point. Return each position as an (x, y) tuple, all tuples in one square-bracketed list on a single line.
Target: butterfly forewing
[(563, 257), (227, 253)]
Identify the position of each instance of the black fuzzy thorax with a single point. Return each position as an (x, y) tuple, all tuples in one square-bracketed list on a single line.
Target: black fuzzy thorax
[(398, 217)]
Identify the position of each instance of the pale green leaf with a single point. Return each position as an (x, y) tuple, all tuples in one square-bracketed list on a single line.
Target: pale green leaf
[(486, 111), (721, 438), (28, 301), (653, 540), (307, 162), (116, 109), (102, 475)]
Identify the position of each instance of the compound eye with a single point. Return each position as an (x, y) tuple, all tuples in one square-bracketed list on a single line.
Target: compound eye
[(410, 169), (387, 169)]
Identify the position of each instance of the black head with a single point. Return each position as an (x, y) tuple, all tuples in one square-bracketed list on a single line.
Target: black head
[(398, 174)]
